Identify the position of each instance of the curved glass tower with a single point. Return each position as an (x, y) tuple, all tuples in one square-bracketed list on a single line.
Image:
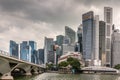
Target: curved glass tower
[(88, 20)]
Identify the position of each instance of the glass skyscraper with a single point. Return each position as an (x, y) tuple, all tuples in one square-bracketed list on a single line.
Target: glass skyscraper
[(25, 51), (41, 56), (33, 52), (87, 21), (14, 49), (48, 49), (79, 35), (70, 33), (59, 42)]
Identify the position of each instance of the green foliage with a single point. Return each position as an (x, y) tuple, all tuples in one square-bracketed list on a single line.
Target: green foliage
[(73, 62), (63, 64), (117, 66), (49, 66)]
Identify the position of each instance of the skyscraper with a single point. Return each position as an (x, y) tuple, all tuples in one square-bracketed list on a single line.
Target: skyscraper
[(68, 48), (35, 56), (48, 49), (115, 48), (33, 45), (59, 42), (79, 35), (33, 52), (70, 33), (14, 49), (87, 21), (25, 51), (108, 12), (102, 55), (41, 56), (96, 60), (66, 40)]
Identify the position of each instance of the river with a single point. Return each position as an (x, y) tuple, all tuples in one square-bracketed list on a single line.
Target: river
[(56, 76)]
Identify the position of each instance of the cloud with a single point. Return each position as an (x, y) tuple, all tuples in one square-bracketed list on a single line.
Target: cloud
[(34, 19)]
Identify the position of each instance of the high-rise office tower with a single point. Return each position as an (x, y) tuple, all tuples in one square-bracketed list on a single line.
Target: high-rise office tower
[(14, 49), (115, 48), (25, 51), (102, 55), (41, 56), (66, 40), (88, 23), (48, 49), (33, 45), (59, 42), (68, 48), (96, 60), (70, 33), (108, 12), (79, 35), (35, 57)]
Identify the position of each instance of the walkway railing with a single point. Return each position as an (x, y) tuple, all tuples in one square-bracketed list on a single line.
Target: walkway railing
[(4, 53)]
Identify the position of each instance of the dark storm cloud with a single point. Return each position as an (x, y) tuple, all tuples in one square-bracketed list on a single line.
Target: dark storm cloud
[(57, 12), (51, 11), (39, 18)]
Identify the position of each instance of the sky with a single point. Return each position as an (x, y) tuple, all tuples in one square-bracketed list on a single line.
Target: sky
[(24, 20)]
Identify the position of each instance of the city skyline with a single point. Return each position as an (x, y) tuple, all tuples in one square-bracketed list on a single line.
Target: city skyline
[(33, 20)]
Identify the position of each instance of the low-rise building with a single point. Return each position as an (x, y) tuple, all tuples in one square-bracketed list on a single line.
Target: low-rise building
[(76, 55)]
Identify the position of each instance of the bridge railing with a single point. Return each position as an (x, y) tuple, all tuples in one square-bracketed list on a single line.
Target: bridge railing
[(4, 53)]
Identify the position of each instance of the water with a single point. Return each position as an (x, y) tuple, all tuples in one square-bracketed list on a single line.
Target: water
[(55, 76)]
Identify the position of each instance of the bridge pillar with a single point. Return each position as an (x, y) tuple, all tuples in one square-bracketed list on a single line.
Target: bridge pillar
[(7, 76)]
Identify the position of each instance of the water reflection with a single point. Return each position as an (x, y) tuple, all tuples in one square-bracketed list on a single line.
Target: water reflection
[(118, 78), (55, 76)]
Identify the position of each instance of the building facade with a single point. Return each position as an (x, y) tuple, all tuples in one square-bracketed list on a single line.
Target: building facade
[(96, 60), (14, 49), (48, 49), (59, 42), (41, 56), (68, 48), (33, 45), (79, 35), (70, 33), (76, 55), (108, 12), (25, 51), (102, 54), (115, 48), (88, 23)]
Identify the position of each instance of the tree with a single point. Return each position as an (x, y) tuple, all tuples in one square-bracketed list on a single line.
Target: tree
[(63, 64), (117, 66), (49, 66), (74, 63)]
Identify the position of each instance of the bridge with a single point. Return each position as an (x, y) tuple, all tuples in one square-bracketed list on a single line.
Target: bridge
[(8, 65), (99, 69)]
